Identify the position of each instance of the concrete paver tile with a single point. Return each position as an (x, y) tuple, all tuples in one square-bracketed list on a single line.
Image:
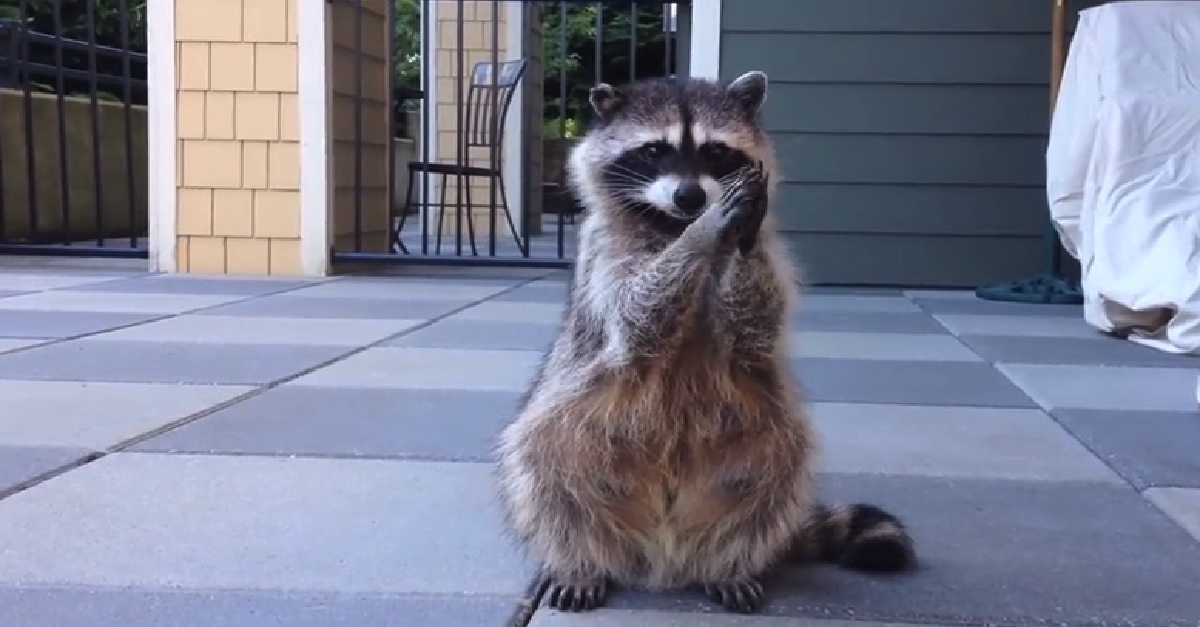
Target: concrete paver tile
[(1026, 326), (48, 280), (97, 415), (941, 294), (50, 324), (1098, 351), (263, 330), (537, 292), (903, 346), (481, 334), (429, 368), (288, 306), (964, 305), (263, 523), (1148, 448), (853, 302), (905, 382), (109, 302), (163, 362), (404, 290), (500, 312), (297, 420), (996, 552), (7, 345), (19, 464), (200, 285), (627, 618), (866, 322), (104, 607), (1103, 387), (1181, 504), (982, 442)]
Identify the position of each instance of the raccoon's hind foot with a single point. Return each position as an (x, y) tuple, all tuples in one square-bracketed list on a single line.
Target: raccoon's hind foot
[(576, 594), (857, 536), (744, 595)]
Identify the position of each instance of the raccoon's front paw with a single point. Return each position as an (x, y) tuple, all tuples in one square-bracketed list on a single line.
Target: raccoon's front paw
[(747, 194), (744, 596), (576, 595), (753, 199), (739, 214)]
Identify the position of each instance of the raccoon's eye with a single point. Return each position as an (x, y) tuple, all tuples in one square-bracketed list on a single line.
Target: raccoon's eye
[(716, 152), (653, 151)]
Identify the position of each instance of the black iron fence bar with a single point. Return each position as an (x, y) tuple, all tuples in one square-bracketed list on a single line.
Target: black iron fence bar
[(560, 234), (460, 145), (30, 163), (428, 81), (64, 188), (668, 40), (394, 105), (633, 41), (127, 78), (93, 88), (358, 128), (495, 130)]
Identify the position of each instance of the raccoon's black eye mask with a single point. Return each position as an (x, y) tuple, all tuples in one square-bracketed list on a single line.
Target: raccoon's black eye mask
[(714, 158)]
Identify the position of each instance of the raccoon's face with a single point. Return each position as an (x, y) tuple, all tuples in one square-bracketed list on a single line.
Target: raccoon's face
[(667, 149)]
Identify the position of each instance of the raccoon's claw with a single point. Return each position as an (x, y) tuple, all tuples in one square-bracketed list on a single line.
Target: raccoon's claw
[(744, 596), (577, 596)]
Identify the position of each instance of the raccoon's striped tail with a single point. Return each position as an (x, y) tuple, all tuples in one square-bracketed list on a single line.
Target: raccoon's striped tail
[(858, 536)]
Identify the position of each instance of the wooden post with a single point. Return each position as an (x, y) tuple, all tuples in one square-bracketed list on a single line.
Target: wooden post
[(1058, 49)]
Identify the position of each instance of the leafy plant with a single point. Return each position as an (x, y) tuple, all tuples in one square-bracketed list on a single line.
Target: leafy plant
[(73, 14), (406, 57)]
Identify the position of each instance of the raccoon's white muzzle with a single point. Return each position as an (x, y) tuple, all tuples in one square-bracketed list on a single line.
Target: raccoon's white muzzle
[(673, 195)]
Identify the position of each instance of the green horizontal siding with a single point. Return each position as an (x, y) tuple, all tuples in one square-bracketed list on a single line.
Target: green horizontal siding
[(911, 133)]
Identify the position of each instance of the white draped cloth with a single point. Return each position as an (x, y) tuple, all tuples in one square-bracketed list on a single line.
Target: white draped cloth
[(1123, 169)]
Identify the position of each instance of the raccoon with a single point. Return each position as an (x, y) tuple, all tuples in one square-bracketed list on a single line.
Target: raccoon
[(662, 443)]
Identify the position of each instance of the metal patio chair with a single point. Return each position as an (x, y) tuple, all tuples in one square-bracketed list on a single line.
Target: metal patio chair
[(485, 110)]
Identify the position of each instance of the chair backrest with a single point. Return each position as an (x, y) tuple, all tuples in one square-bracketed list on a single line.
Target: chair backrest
[(487, 102)]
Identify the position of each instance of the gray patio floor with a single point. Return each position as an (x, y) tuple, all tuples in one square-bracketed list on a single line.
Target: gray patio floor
[(189, 451)]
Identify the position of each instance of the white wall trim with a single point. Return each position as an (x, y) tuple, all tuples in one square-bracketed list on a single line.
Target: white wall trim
[(313, 67), (705, 60), (162, 136), (515, 138), (429, 84)]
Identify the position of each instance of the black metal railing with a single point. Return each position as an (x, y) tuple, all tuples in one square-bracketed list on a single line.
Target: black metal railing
[(480, 190), (73, 145)]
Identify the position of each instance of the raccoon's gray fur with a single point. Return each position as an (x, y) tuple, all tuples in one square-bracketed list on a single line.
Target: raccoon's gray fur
[(663, 443)]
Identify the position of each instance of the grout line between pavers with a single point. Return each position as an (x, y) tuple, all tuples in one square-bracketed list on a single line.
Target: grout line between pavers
[(175, 424)]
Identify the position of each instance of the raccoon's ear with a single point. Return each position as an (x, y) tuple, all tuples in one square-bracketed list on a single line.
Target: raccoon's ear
[(750, 91), (605, 100)]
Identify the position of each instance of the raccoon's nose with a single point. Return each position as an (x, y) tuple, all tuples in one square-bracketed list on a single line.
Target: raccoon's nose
[(690, 197)]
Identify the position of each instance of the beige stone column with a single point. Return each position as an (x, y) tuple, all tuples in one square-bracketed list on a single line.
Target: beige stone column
[(348, 58), (237, 125), (516, 34)]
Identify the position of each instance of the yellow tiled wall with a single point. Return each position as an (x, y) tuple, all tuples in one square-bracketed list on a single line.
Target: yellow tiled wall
[(238, 185), (479, 39), (347, 59)]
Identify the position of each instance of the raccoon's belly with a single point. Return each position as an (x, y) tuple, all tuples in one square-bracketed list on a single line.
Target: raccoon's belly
[(676, 530)]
